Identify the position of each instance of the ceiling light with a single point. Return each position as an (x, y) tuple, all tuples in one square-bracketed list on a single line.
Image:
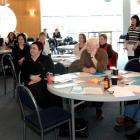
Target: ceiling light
[(4, 3)]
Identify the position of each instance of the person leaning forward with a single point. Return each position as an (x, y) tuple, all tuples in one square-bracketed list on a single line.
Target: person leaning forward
[(94, 59)]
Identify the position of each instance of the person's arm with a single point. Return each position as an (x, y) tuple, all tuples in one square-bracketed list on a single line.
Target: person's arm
[(109, 51), (83, 67), (59, 35), (75, 51), (50, 65), (47, 66), (102, 60)]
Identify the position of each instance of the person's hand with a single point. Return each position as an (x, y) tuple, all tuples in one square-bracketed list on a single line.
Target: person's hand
[(94, 60), (92, 70), (20, 61), (89, 70), (135, 47), (35, 78), (125, 47), (31, 82)]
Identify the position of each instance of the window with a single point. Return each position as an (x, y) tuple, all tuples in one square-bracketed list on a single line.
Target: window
[(74, 16)]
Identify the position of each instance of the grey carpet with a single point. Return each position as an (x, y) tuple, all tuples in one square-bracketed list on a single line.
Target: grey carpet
[(11, 124)]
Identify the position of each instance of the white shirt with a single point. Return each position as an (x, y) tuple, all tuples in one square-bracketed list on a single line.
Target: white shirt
[(46, 49), (78, 51)]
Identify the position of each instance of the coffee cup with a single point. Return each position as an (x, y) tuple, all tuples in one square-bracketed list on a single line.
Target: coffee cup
[(115, 72), (114, 80)]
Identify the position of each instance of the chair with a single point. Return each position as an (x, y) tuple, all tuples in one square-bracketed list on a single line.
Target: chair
[(41, 121), (8, 68), (121, 40), (133, 65), (59, 68), (75, 66)]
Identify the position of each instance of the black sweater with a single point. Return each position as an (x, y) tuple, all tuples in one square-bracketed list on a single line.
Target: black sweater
[(41, 66)]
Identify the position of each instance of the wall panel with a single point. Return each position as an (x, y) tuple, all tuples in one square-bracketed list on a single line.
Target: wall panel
[(25, 22)]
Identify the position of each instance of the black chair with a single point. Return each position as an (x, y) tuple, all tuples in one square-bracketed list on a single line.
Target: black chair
[(133, 65), (75, 66), (8, 69), (121, 40), (41, 121), (59, 68), (1, 42)]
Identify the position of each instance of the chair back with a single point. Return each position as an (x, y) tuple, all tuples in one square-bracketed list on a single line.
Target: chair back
[(13, 69), (75, 66), (7, 61), (59, 68), (133, 65), (122, 38), (8, 68), (28, 104)]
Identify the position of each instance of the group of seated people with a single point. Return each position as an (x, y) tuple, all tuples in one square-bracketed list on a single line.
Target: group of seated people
[(34, 62)]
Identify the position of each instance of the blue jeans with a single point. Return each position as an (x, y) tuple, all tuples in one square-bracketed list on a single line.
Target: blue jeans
[(132, 111)]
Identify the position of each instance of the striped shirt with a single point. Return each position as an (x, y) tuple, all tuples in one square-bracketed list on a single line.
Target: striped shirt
[(133, 35)]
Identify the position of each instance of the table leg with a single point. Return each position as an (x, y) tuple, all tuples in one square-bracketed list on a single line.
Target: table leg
[(73, 119)]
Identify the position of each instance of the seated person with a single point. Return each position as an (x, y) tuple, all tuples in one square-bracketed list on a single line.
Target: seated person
[(130, 116), (33, 74), (20, 52), (80, 46), (56, 37), (46, 47), (112, 59), (94, 59), (56, 34), (11, 40)]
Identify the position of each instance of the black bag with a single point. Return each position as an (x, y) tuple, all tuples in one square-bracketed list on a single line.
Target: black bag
[(81, 129)]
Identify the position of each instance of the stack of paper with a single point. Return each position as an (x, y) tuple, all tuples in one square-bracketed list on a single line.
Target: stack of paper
[(93, 90)]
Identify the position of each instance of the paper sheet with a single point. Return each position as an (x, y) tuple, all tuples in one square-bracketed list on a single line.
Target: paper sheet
[(83, 74), (77, 90), (64, 78), (64, 85), (123, 91), (93, 90)]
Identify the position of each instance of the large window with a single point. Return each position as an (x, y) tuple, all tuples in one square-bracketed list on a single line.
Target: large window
[(75, 16)]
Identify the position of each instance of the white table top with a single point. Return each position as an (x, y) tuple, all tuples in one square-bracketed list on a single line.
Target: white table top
[(105, 97), (3, 51), (66, 47), (65, 59)]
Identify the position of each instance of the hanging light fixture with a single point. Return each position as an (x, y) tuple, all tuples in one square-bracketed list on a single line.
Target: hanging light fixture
[(4, 3), (107, 0)]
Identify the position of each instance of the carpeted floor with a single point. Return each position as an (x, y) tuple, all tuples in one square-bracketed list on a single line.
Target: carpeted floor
[(11, 124)]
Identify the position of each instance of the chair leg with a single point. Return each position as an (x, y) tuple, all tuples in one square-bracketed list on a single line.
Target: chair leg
[(14, 94), (42, 135), (55, 131), (24, 131), (120, 108), (5, 84), (70, 132)]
